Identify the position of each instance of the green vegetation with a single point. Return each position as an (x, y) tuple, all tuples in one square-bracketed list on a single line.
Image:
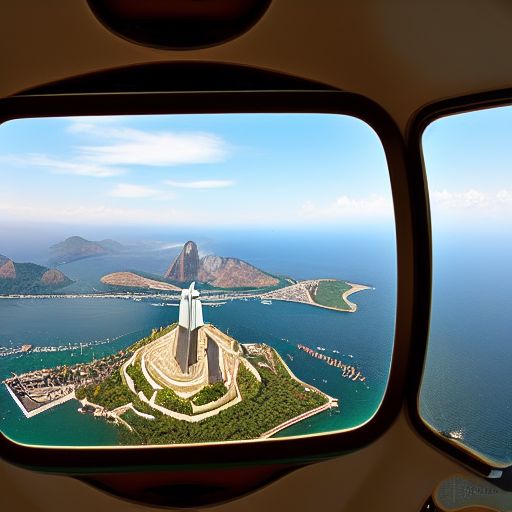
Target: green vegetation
[(264, 405), (111, 393), (329, 294), (140, 382), (28, 280), (170, 400), (210, 394), (155, 334), (277, 399)]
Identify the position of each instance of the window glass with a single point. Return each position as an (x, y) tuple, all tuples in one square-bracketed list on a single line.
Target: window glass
[(194, 278), (466, 393)]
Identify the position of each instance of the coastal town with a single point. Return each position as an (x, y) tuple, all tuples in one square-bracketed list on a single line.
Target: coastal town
[(39, 390)]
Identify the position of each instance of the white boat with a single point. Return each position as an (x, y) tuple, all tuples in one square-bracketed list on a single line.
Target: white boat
[(265, 301)]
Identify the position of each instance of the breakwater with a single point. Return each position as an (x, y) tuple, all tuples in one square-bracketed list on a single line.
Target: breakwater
[(348, 371)]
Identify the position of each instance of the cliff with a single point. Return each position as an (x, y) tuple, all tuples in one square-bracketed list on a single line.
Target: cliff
[(26, 278), (186, 266), (216, 271), (53, 277), (232, 273), (7, 269)]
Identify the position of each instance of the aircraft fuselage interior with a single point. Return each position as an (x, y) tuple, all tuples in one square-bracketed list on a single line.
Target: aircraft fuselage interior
[(255, 255)]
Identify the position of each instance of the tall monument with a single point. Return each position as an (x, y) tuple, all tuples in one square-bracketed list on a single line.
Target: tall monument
[(190, 320)]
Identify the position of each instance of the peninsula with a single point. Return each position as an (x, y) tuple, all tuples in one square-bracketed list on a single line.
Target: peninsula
[(132, 280)]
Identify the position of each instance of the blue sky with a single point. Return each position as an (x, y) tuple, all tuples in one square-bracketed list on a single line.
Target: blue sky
[(199, 170), (468, 158), (243, 170)]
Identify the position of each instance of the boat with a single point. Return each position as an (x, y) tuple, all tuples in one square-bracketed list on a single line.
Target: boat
[(265, 301)]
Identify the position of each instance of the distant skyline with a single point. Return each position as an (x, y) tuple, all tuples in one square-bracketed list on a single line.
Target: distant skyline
[(277, 170)]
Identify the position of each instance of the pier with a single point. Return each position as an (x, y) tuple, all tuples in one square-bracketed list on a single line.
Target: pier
[(347, 371)]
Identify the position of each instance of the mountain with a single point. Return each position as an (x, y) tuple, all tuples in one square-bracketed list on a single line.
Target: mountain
[(26, 278), (186, 266), (217, 271), (7, 268), (77, 248), (232, 273), (110, 245)]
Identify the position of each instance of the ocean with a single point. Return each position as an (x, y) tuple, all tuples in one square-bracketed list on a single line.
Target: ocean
[(462, 350), (104, 326), (467, 384)]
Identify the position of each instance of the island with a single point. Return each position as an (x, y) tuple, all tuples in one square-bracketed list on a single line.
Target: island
[(132, 280), (219, 278), (186, 383), (77, 248), (227, 278), (29, 278)]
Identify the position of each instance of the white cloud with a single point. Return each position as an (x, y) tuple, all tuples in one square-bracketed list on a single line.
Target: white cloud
[(136, 147), (471, 200), (73, 166), (504, 196), (201, 184), (110, 147), (132, 191), (349, 208)]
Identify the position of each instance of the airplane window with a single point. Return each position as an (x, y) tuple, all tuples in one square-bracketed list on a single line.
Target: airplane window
[(467, 383), (175, 279)]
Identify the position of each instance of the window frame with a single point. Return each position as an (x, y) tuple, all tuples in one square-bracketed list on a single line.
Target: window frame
[(500, 475), (407, 195)]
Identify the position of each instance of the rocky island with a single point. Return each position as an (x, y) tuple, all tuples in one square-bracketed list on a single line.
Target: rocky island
[(223, 278), (214, 272), (217, 271), (29, 278)]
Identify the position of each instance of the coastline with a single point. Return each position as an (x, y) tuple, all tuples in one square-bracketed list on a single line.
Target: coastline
[(354, 289), (330, 404), (206, 300), (42, 408)]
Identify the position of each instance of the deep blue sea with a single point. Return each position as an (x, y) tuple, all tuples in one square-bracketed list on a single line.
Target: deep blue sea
[(467, 385)]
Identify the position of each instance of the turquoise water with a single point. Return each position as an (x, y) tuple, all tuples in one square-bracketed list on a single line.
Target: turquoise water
[(103, 326), (467, 385), (282, 325)]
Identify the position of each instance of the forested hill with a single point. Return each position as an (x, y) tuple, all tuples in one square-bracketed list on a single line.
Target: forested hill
[(77, 248), (26, 278)]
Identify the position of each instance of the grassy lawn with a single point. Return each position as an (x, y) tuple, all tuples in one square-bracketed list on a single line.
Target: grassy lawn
[(329, 294)]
